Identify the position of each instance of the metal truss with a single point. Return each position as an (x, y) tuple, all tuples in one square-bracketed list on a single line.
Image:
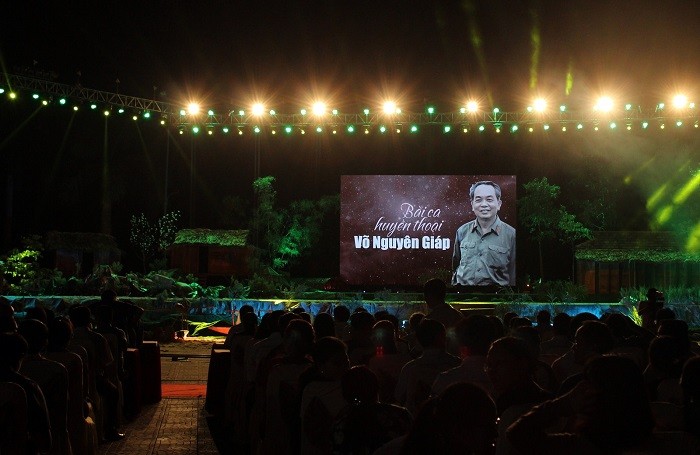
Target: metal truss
[(176, 116)]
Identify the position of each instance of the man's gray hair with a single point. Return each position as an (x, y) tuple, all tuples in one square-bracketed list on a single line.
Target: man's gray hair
[(485, 182)]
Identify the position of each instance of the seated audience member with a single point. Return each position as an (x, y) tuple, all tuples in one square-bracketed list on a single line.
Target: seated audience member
[(126, 316), (324, 325), (543, 374), (238, 322), (592, 339), (360, 346), (236, 342), (566, 365), (475, 335), (607, 412), (8, 324), (52, 378), (103, 393), (544, 325), (647, 308), (13, 348), (628, 342), (366, 424), (510, 364), (60, 334), (341, 318), (418, 375), (462, 419), (667, 355), (690, 384), (13, 419), (322, 396), (559, 342), (283, 396), (387, 362), (434, 292), (414, 347)]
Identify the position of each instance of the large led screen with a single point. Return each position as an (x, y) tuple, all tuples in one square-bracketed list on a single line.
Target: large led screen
[(403, 229)]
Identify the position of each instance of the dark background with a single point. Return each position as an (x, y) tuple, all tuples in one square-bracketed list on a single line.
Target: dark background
[(352, 54)]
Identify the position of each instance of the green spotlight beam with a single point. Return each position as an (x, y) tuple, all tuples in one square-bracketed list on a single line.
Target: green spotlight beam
[(475, 38), (689, 188), (569, 78), (535, 42)]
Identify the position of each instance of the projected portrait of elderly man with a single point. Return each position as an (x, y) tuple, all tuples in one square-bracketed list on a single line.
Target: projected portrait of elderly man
[(484, 251)]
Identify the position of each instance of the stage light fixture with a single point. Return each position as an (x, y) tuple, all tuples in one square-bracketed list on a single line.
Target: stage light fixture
[(660, 106), (365, 111), (319, 108), (563, 128), (382, 129), (273, 131), (146, 114), (75, 108), (389, 107), (303, 131), (514, 128), (45, 102), (210, 113), (679, 123), (431, 110), (12, 95), (680, 101), (613, 125), (530, 130), (93, 106), (540, 104), (195, 129), (562, 108), (645, 125), (183, 112), (225, 130), (181, 132), (629, 127), (334, 131), (121, 110), (496, 110), (414, 128), (465, 130), (604, 104), (446, 129), (319, 129), (240, 132), (351, 129), (288, 129), (546, 127), (628, 107), (472, 106), (134, 118), (366, 130), (256, 129), (579, 126), (258, 109), (241, 112), (303, 112), (398, 130), (2, 90), (482, 127), (334, 112), (210, 132), (663, 126), (35, 96), (193, 108), (273, 112)]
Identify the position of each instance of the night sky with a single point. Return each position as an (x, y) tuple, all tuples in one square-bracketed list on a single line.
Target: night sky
[(228, 54)]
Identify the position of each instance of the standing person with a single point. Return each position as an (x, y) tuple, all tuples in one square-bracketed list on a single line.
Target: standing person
[(484, 251)]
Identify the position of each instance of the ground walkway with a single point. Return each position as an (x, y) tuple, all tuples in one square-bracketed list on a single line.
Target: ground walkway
[(178, 424)]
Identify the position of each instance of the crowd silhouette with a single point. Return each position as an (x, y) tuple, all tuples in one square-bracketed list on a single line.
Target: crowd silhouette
[(353, 382)]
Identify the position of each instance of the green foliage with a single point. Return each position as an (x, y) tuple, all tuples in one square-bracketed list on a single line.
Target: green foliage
[(238, 289), (282, 236), (560, 291), (545, 219), (153, 239)]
